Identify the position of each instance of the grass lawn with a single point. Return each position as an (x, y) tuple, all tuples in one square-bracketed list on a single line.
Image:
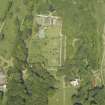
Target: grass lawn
[(57, 99), (62, 95), (3, 7), (7, 44), (9, 29), (46, 49)]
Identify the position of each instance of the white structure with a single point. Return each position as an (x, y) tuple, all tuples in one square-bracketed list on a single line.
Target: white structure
[(3, 88), (2, 81), (75, 82)]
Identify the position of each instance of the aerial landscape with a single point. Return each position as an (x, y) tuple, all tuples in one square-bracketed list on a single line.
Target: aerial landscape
[(52, 52)]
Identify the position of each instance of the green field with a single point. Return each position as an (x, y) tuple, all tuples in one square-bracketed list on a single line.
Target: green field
[(63, 94), (9, 28), (46, 49), (7, 44)]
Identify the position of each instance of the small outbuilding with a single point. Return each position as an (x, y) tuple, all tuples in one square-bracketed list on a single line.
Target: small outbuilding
[(2, 81), (75, 82)]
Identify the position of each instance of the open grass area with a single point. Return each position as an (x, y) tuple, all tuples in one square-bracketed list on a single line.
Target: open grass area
[(46, 49), (8, 25), (3, 7), (7, 44), (63, 94)]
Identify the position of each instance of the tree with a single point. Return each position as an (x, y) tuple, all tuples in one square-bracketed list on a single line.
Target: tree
[(98, 95), (2, 36), (40, 83), (16, 89)]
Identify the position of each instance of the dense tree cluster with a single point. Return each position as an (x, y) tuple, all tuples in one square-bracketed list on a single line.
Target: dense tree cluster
[(88, 96)]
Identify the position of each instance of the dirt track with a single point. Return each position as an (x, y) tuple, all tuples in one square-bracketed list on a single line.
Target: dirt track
[(102, 70)]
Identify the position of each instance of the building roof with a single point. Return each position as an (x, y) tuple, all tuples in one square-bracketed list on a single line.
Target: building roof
[(75, 82)]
